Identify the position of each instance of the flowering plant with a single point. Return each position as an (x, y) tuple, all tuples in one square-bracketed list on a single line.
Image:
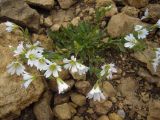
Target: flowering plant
[(83, 46)]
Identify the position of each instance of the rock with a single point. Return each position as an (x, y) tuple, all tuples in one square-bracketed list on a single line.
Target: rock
[(78, 77), (41, 19), (89, 1), (108, 89), (104, 3), (72, 109), (90, 111), (122, 24), (70, 83), (42, 109), (82, 110), (153, 9), (14, 98), (61, 17), (114, 116), (63, 111), (73, 105), (121, 113), (78, 118), (103, 117), (53, 85), (61, 98), (137, 3), (75, 21), (131, 11), (147, 56), (128, 86), (78, 99), (19, 12), (65, 4), (154, 110), (64, 75), (48, 21), (148, 77), (46, 4), (55, 27), (103, 107), (46, 42), (83, 86)]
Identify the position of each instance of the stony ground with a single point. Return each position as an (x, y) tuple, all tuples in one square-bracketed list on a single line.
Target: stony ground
[(133, 94)]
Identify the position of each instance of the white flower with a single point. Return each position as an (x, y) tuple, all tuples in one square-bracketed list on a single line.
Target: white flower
[(146, 14), (15, 68), (158, 23), (108, 70), (27, 79), (74, 66), (52, 69), (10, 26), (157, 52), (82, 69), (108, 7), (96, 93), (142, 32), (62, 86), (131, 41), (32, 56), (41, 64), (155, 63), (156, 60), (20, 49), (35, 46), (138, 27)]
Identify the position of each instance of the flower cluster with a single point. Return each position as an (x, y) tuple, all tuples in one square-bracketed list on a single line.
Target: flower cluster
[(107, 71), (140, 33), (32, 55), (134, 39), (96, 93), (73, 66)]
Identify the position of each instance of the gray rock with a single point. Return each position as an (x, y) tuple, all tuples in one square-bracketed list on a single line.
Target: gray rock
[(61, 17), (122, 24), (63, 111), (104, 3), (78, 99), (121, 113), (19, 12), (42, 109), (103, 107), (47, 4), (154, 110), (114, 116), (137, 3), (103, 117), (108, 89), (131, 11), (14, 98), (147, 56), (65, 4), (83, 86), (154, 13)]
